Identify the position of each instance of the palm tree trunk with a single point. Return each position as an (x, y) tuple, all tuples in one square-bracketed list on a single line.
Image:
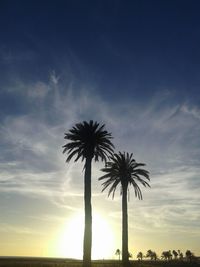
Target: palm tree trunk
[(125, 253), (87, 243)]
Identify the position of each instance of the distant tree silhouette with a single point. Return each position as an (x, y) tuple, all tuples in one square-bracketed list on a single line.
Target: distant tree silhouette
[(118, 253), (166, 255), (189, 255), (180, 254), (140, 256), (123, 170), (87, 141), (151, 254), (175, 253)]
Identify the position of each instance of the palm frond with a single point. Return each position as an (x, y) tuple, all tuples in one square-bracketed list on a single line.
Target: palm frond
[(124, 170), (88, 140)]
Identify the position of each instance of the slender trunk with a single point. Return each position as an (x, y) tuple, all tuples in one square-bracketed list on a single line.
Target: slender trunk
[(125, 253), (87, 243)]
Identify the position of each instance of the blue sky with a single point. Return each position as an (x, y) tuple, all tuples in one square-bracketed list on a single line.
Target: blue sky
[(133, 66)]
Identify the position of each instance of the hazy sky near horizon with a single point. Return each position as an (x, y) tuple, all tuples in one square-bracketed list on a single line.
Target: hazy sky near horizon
[(133, 65)]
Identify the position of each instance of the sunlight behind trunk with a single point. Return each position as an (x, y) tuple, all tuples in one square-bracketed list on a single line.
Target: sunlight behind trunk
[(69, 242)]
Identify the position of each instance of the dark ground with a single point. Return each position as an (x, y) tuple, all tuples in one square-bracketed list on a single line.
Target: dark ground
[(53, 262)]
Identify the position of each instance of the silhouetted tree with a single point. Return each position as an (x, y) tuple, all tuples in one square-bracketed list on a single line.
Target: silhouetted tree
[(87, 141), (118, 253), (123, 170), (189, 255), (152, 255), (175, 253), (130, 255), (180, 254), (166, 255), (140, 256)]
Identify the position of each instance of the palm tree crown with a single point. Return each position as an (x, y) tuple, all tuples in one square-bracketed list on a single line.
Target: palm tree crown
[(88, 140), (123, 169)]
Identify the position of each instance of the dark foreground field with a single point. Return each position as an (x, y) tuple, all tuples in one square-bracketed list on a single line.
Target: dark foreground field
[(52, 262)]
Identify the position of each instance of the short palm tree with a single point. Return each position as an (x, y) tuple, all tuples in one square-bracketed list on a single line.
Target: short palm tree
[(87, 141), (140, 256), (152, 255), (123, 170), (189, 255), (118, 252), (175, 253)]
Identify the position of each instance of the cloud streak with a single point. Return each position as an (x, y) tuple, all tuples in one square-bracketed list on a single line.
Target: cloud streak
[(163, 135)]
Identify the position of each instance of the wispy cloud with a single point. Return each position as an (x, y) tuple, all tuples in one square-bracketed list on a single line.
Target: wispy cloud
[(18, 229), (163, 135)]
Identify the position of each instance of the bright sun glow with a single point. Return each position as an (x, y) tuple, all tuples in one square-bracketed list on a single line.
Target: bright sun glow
[(70, 241)]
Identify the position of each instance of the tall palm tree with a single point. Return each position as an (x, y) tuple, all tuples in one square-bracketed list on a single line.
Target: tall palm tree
[(123, 170), (88, 141)]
